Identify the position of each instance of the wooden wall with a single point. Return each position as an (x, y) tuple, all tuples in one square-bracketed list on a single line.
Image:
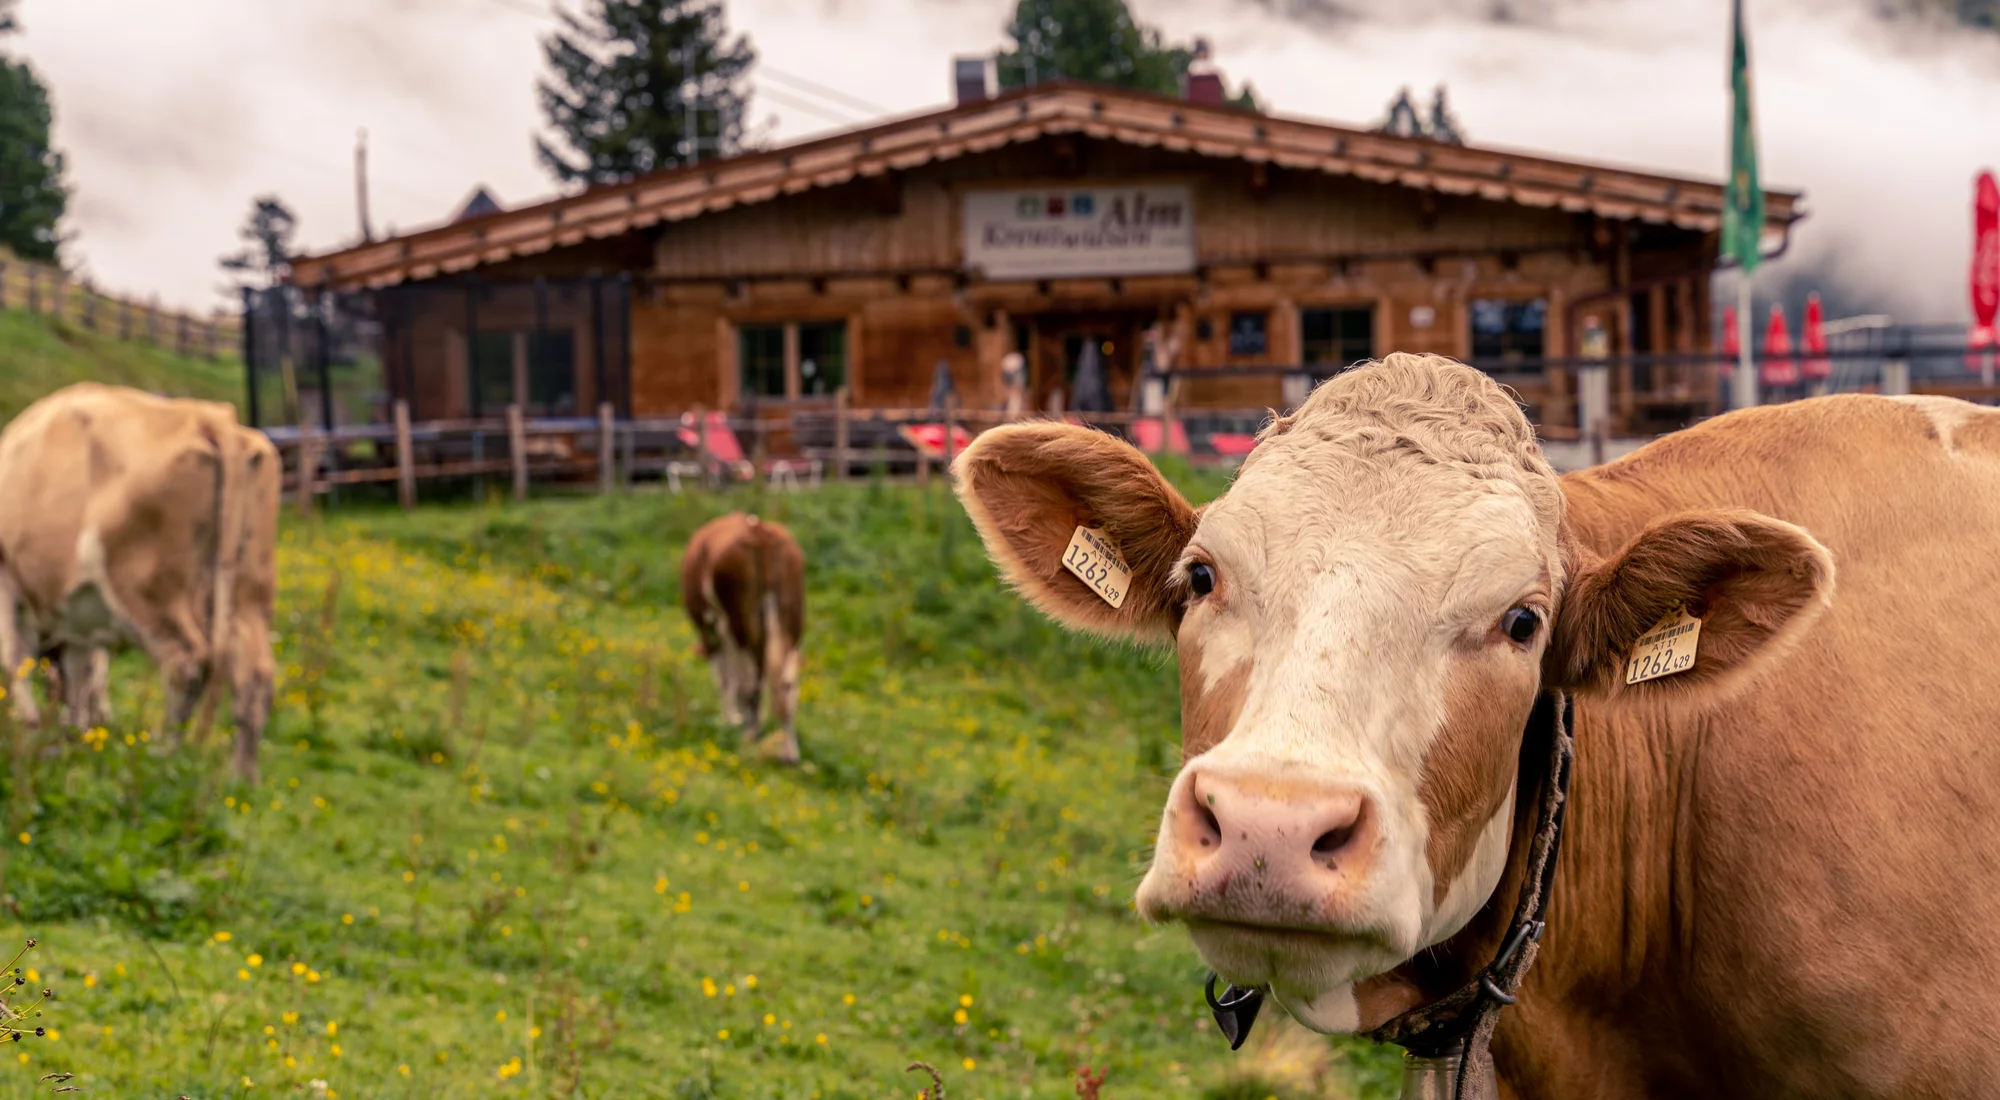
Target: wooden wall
[(882, 255)]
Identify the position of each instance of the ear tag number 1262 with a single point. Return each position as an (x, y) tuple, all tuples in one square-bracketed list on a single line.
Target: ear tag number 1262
[(1096, 563), (1666, 649)]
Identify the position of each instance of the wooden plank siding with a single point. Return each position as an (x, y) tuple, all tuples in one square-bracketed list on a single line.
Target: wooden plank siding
[(864, 232)]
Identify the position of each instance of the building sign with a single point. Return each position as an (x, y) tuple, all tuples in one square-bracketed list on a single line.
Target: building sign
[(1041, 233)]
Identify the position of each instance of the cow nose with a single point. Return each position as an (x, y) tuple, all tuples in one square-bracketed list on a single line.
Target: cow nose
[(1296, 838)]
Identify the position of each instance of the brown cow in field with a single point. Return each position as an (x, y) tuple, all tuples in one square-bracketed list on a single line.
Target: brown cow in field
[(127, 518), (1780, 876), (743, 582)]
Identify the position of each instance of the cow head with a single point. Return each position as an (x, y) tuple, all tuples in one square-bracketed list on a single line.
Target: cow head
[(1363, 623)]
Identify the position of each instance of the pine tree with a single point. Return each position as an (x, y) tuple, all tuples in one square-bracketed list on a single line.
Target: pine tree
[(1096, 41), (267, 236), (32, 194), (616, 97)]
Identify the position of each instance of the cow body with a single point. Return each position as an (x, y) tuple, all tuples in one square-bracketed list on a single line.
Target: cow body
[(1781, 869), (743, 585), (129, 519)]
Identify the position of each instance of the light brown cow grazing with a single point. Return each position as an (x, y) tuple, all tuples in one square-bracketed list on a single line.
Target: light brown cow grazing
[(1781, 870), (743, 582), (129, 518)]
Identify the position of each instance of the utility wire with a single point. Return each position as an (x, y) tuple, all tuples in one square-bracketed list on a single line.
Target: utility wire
[(778, 94), (840, 100)]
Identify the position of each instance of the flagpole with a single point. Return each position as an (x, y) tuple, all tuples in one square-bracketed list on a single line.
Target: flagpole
[(1743, 386)]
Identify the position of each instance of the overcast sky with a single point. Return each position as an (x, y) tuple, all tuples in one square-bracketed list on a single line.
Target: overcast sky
[(174, 115)]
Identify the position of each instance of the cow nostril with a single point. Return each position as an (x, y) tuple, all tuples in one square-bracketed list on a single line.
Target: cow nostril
[(1211, 829), (1332, 841)]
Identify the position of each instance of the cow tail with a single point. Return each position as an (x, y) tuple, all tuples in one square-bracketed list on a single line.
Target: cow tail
[(231, 504)]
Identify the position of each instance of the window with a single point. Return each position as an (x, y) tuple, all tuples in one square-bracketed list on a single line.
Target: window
[(822, 358), (796, 359), (552, 373), (492, 372), (1248, 333), (762, 360), (550, 362), (1337, 337), (1505, 331)]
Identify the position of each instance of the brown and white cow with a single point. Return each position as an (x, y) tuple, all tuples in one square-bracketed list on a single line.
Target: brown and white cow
[(743, 582), (128, 518), (1781, 870)]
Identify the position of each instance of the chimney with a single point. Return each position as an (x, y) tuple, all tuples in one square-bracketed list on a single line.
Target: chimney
[(1202, 84), (972, 78)]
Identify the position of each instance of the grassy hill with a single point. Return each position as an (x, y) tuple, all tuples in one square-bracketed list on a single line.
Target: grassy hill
[(503, 846), (39, 355)]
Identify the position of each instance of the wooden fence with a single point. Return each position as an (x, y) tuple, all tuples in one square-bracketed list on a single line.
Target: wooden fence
[(787, 452), (40, 288)]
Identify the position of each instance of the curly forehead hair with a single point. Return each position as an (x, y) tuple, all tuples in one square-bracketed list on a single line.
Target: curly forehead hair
[(1431, 408)]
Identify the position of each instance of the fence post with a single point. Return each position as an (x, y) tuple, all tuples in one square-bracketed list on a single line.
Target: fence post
[(1895, 378), (153, 322), (57, 297), (4, 270), (308, 466), (841, 399), (950, 421), (34, 289), (701, 442), (517, 451), (606, 442), (631, 445), (1593, 388), (181, 341), (89, 308), (406, 462)]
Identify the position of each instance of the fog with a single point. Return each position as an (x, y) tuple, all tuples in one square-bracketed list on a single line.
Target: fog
[(173, 116)]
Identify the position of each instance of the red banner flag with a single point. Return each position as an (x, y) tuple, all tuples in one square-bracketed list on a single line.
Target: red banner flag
[(1985, 267), (1731, 349)]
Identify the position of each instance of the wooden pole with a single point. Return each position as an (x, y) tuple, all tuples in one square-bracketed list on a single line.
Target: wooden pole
[(58, 297), (950, 419), (607, 463), (517, 451), (841, 399), (701, 440), (308, 466), (631, 445), (406, 462)]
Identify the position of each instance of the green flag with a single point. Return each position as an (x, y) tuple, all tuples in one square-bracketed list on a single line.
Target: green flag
[(1743, 200)]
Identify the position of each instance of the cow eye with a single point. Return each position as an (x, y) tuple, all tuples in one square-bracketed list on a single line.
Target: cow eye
[(1520, 624), (1201, 576)]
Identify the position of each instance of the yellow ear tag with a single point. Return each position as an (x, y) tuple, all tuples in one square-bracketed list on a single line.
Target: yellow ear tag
[(1666, 649), (1091, 557)]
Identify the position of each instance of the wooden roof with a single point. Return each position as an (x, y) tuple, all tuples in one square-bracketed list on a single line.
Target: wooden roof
[(1022, 115)]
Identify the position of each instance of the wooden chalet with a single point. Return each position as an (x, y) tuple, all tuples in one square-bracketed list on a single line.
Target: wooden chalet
[(1048, 220)]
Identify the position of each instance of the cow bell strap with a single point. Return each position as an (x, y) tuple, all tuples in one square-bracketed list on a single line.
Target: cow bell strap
[(1462, 1022)]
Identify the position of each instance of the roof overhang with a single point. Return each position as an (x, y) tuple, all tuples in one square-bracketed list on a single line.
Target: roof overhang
[(1024, 115)]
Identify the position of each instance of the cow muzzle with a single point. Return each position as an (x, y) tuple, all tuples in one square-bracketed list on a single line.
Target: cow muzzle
[(1261, 849)]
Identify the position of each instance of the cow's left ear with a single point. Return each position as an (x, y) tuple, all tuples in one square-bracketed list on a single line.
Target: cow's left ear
[(1756, 583)]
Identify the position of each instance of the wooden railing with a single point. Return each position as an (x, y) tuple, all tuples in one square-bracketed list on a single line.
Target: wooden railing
[(44, 289), (788, 451)]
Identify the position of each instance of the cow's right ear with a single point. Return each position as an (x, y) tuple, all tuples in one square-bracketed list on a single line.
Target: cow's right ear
[(1028, 487)]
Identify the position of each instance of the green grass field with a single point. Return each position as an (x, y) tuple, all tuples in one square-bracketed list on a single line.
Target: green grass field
[(503, 847), (39, 355)]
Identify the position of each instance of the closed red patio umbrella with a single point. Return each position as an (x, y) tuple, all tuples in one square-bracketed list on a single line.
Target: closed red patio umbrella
[(1814, 364), (1779, 368)]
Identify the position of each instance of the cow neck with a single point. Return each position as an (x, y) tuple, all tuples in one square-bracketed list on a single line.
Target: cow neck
[(1461, 1022)]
